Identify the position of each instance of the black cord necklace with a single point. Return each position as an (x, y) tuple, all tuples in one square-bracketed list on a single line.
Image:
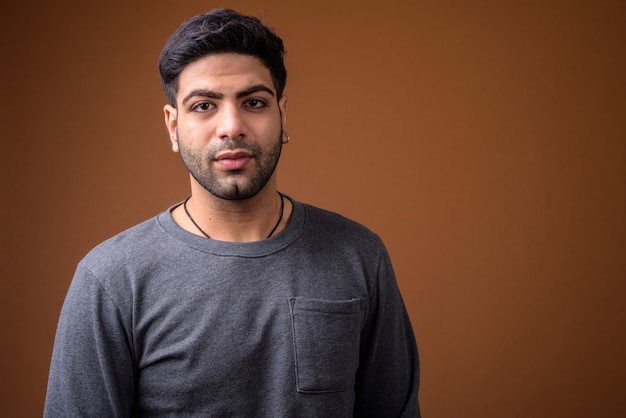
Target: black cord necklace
[(280, 217)]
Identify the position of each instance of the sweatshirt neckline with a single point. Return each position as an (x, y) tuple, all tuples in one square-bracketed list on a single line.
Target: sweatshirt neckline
[(236, 249)]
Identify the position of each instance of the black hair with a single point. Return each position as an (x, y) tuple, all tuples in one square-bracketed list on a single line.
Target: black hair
[(221, 31)]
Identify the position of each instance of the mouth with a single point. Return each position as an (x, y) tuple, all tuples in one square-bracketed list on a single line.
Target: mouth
[(233, 160)]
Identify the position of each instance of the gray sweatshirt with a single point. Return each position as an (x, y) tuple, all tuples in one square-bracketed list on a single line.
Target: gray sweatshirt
[(309, 323)]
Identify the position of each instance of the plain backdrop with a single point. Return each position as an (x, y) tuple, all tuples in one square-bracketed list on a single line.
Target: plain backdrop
[(484, 141)]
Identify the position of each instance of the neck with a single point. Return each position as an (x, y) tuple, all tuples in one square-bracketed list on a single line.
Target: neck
[(234, 220)]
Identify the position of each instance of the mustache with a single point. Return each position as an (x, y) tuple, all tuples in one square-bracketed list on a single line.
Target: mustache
[(235, 145), (230, 145)]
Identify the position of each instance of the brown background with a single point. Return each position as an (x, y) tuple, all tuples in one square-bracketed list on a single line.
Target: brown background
[(483, 140)]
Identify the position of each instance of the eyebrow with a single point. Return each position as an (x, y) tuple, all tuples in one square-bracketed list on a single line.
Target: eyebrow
[(215, 95)]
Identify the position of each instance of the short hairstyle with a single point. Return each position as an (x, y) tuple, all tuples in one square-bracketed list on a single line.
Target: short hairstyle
[(220, 31)]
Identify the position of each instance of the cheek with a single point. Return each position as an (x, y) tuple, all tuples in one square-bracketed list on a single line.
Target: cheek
[(193, 131), (194, 136), (274, 130)]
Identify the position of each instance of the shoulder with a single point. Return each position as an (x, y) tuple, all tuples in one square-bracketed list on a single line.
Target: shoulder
[(328, 225), (333, 221), (131, 245)]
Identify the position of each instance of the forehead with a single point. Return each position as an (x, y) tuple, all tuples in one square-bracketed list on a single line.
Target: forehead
[(224, 73)]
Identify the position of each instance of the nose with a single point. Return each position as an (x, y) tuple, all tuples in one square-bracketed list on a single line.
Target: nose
[(230, 123)]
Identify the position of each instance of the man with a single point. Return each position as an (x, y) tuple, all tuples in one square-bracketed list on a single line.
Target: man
[(239, 301)]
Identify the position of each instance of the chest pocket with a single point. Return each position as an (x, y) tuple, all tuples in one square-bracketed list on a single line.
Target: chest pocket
[(326, 343)]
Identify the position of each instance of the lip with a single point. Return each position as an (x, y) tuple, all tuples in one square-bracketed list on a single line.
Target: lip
[(233, 160), (231, 155)]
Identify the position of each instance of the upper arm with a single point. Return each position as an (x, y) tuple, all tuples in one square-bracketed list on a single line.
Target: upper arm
[(388, 376), (91, 372)]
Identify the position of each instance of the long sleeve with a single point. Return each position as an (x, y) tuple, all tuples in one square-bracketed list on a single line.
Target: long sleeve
[(389, 373), (91, 373)]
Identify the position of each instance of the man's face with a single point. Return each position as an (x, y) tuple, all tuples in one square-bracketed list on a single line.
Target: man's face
[(228, 125)]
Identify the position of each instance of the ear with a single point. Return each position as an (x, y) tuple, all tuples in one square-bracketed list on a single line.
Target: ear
[(171, 122), (282, 104)]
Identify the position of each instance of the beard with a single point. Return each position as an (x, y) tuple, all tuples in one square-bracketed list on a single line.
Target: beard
[(234, 185)]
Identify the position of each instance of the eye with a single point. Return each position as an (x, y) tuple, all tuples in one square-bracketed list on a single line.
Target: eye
[(255, 103), (202, 107)]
